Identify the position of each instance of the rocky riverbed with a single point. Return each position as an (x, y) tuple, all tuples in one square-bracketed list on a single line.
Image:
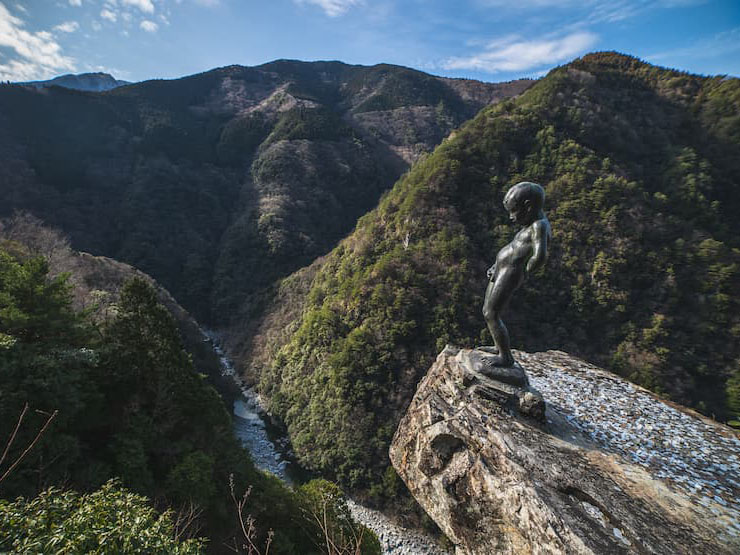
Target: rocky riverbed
[(250, 426)]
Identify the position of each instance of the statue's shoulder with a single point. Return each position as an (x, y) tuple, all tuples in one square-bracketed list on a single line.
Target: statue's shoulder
[(541, 227)]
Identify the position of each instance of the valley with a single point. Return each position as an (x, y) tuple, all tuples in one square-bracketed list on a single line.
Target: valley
[(332, 224)]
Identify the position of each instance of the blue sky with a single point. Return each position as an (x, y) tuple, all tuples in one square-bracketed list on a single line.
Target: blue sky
[(491, 40)]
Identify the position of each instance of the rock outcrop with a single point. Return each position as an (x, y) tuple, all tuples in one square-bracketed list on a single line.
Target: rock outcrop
[(609, 469)]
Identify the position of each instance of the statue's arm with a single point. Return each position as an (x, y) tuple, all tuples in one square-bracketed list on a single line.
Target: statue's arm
[(539, 242)]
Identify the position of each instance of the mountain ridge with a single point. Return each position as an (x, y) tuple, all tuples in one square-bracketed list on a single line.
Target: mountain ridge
[(239, 160)]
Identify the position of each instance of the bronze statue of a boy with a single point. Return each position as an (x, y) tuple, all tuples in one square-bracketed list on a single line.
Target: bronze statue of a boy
[(525, 254)]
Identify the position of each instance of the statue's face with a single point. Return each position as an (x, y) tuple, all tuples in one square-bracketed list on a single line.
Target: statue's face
[(519, 210)]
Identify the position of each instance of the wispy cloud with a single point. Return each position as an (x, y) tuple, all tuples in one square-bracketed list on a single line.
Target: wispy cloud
[(118, 73), (208, 3), (514, 54), (529, 4), (593, 11), (67, 27), (38, 55), (76, 3), (149, 26), (720, 44), (680, 3), (108, 14), (145, 6), (332, 8)]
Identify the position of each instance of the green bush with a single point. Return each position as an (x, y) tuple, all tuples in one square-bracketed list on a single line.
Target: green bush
[(109, 520)]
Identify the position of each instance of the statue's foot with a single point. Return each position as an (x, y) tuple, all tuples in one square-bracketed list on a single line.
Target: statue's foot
[(490, 349), (500, 360)]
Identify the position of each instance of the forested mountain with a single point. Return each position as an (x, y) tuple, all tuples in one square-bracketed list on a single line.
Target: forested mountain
[(238, 182), (220, 183), (641, 168)]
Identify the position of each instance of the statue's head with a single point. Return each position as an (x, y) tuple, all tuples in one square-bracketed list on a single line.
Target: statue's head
[(524, 201)]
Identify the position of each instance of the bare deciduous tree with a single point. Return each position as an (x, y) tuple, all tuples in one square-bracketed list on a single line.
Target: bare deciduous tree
[(187, 521), (247, 525), (11, 440), (338, 539)]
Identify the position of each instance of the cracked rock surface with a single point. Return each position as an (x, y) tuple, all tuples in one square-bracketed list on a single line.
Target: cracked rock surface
[(610, 469)]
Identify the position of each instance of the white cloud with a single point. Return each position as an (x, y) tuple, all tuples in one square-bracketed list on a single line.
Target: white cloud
[(110, 15), (118, 73), (21, 8), (145, 6), (207, 3), (67, 27), (77, 3), (16, 70), (332, 8), (39, 56), (149, 26), (515, 54)]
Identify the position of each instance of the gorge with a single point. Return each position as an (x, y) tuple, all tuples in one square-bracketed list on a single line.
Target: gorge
[(333, 224)]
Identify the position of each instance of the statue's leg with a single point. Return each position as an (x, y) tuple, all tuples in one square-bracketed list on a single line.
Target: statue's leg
[(487, 311), (501, 338), (497, 297)]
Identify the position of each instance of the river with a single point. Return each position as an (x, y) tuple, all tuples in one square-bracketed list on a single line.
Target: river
[(270, 453)]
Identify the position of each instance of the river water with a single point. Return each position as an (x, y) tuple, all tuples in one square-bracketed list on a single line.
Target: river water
[(270, 452)]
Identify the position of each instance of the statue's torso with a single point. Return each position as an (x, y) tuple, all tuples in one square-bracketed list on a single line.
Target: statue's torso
[(516, 253)]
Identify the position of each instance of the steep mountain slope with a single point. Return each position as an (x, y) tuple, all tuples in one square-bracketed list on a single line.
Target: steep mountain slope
[(96, 283), (82, 82), (129, 403), (219, 183), (641, 169)]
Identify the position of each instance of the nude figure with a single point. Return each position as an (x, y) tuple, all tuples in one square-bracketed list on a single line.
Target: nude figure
[(525, 254)]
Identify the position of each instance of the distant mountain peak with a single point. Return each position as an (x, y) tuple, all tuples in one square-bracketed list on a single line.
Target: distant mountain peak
[(97, 81)]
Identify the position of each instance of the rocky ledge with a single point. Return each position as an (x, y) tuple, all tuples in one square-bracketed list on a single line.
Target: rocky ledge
[(606, 467)]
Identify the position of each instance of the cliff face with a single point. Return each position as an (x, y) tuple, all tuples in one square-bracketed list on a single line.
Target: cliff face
[(611, 469)]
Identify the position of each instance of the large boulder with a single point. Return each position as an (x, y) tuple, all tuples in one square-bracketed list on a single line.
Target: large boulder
[(609, 469)]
